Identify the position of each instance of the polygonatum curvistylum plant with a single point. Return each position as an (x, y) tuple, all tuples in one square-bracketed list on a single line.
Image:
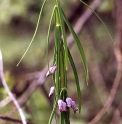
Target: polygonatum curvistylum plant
[(62, 57)]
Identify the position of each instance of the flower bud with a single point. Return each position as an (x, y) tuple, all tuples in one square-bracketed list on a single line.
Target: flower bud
[(69, 102), (62, 106), (74, 107), (51, 70), (52, 90)]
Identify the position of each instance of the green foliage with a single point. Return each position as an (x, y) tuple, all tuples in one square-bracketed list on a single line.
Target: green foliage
[(61, 58), (14, 42), (80, 48), (76, 79), (61, 61)]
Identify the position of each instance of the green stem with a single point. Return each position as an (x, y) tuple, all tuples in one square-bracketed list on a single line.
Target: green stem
[(57, 40), (62, 74), (53, 112), (63, 33)]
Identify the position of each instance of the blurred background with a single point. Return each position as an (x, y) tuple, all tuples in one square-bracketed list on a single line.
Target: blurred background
[(18, 20)]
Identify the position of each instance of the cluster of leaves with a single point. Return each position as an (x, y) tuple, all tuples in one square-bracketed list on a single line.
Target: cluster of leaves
[(64, 54)]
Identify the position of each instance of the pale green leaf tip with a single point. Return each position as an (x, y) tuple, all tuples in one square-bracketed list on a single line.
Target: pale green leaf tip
[(19, 62)]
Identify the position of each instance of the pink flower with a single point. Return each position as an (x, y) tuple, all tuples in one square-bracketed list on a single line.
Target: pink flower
[(52, 90), (51, 70), (74, 107), (69, 102), (62, 106)]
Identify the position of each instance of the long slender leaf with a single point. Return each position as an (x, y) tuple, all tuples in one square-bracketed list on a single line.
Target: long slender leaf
[(53, 112), (76, 79), (57, 40), (62, 68), (63, 32), (76, 39), (48, 35), (37, 25), (98, 18)]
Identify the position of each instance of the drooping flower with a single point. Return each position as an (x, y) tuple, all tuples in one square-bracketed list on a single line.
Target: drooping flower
[(62, 106), (52, 90), (74, 107), (69, 102), (51, 70)]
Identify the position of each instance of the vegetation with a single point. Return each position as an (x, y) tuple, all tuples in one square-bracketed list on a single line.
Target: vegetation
[(28, 80)]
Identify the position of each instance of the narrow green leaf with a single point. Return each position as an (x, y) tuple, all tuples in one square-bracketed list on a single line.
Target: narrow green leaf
[(62, 66), (63, 32), (37, 25), (57, 40), (76, 79), (48, 35), (63, 90), (77, 41), (53, 112), (99, 19)]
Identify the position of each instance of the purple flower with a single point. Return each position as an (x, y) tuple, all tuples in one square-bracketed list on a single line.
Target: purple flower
[(74, 107), (69, 102), (62, 106), (52, 90), (51, 70)]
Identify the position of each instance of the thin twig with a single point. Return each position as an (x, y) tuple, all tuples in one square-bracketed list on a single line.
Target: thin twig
[(118, 55), (116, 117), (9, 92), (94, 70), (99, 82), (6, 118), (39, 81), (113, 89)]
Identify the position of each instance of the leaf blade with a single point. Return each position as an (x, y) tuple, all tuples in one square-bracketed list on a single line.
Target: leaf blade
[(99, 19), (76, 79), (80, 48), (37, 25), (48, 35), (63, 33), (53, 112)]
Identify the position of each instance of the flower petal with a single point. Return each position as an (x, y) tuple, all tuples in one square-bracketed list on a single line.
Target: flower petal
[(69, 102), (51, 70), (74, 107), (52, 91)]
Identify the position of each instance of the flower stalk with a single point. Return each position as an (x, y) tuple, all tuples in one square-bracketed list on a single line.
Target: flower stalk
[(60, 61)]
